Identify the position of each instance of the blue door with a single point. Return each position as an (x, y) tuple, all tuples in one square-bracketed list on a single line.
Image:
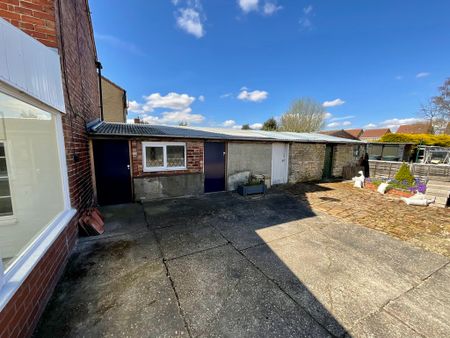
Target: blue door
[(112, 171), (214, 166)]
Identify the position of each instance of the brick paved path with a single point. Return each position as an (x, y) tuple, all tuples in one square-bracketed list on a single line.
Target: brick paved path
[(428, 227)]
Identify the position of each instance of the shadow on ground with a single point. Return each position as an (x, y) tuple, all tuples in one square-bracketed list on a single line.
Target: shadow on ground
[(225, 265)]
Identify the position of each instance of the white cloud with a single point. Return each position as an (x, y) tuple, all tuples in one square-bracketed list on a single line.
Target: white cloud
[(422, 74), (308, 9), (305, 20), (224, 96), (201, 98), (118, 43), (189, 20), (271, 8), (254, 96), (339, 124), (327, 115), (130, 121), (134, 107), (347, 117), (256, 126), (237, 127), (393, 123), (333, 124), (248, 5), (229, 123), (399, 77), (178, 105), (333, 103)]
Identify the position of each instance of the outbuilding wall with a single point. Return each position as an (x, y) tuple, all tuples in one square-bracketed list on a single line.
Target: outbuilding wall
[(306, 161), (247, 158), (152, 185), (344, 155)]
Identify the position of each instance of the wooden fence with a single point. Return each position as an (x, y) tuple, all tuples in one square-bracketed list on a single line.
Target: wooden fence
[(388, 169)]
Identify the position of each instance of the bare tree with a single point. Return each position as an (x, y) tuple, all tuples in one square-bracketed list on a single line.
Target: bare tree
[(304, 115), (437, 110)]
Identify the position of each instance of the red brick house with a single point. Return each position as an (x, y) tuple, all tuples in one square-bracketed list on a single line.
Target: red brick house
[(416, 128), (49, 89), (342, 133), (374, 134)]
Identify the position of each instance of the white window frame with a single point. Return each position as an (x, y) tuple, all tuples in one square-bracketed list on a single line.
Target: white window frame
[(12, 278), (164, 146)]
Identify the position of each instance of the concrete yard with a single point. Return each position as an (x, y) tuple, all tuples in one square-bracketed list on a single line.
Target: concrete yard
[(224, 265)]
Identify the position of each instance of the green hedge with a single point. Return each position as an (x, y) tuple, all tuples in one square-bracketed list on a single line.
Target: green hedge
[(426, 139)]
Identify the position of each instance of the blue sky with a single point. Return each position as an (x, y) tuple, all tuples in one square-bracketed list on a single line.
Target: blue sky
[(230, 62)]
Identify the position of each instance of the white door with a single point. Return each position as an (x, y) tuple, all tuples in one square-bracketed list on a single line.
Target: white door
[(280, 156)]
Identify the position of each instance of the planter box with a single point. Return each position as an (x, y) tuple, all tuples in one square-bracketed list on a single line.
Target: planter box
[(393, 192), (245, 190)]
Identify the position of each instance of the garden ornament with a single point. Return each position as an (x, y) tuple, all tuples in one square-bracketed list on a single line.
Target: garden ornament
[(418, 199), (359, 180), (382, 188)]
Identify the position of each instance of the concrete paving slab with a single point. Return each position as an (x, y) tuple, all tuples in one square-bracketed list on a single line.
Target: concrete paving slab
[(222, 294), (122, 219), (182, 240), (426, 308), (349, 284), (114, 288), (381, 324)]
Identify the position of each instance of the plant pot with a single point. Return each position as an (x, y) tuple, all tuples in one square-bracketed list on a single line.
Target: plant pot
[(245, 190)]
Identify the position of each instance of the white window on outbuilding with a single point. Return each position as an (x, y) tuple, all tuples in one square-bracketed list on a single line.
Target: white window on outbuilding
[(163, 156)]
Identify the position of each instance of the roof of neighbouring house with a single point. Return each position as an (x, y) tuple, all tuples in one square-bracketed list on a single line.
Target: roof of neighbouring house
[(339, 133), (355, 132), (373, 133), (416, 128), (447, 130), (113, 129)]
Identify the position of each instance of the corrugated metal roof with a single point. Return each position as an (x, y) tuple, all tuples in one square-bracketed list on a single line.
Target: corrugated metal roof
[(149, 130)]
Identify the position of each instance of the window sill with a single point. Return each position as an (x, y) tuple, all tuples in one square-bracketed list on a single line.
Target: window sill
[(162, 169), (8, 220), (16, 274)]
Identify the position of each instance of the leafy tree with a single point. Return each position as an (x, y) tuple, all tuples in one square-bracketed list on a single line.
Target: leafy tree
[(304, 115), (183, 124), (246, 127), (404, 174), (270, 125)]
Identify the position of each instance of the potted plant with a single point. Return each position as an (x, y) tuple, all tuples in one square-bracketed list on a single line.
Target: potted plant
[(254, 185)]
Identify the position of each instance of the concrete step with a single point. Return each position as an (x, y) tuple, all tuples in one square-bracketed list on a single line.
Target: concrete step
[(438, 192), (439, 200)]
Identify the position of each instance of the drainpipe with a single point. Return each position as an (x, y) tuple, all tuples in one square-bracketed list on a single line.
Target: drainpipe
[(99, 68)]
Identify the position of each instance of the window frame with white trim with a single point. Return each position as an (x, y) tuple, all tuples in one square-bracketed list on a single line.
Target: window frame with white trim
[(164, 167)]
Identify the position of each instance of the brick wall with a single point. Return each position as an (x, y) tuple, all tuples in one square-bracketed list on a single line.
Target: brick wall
[(21, 314), (76, 47), (306, 161), (34, 17), (194, 154), (342, 156)]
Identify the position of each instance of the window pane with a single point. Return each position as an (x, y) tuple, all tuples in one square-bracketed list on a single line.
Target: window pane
[(34, 175), (3, 170), (5, 206), (390, 151), (175, 156), (2, 149), (4, 187), (154, 156)]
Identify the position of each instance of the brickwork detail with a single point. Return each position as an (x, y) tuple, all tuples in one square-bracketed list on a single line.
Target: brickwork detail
[(34, 17), (306, 161), (194, 154)]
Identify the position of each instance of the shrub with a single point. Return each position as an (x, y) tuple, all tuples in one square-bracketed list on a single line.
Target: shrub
[(425, 139), (404, 175)]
